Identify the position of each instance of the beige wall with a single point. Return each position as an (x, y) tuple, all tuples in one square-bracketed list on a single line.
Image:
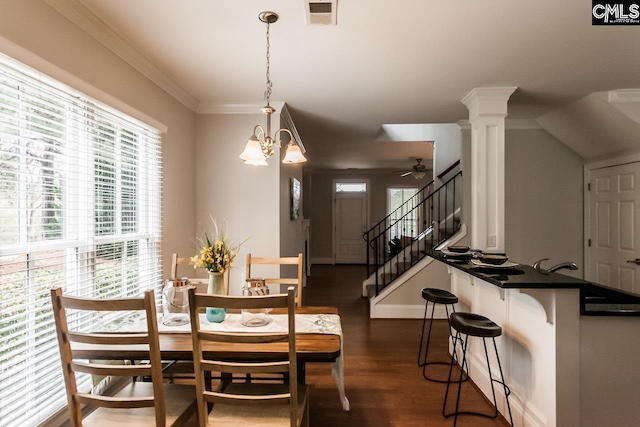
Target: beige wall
[(35, 34), (544, 200), (434, 275), (609, 394), (321, 203), (291, 232), (246, 198)]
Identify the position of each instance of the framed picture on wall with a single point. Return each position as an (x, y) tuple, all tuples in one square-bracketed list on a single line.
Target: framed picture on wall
[(295, 199)]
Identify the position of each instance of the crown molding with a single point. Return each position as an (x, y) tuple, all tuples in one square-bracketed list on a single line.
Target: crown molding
[(624, 95), (490, 101), (288, 121), (87, 21), (231, 108)]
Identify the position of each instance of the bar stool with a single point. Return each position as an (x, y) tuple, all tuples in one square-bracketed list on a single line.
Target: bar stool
[(475, 325), (434, 296)]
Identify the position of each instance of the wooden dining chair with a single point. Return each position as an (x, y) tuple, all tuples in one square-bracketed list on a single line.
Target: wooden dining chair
[(296, 281), (248, 403), (177, 262), (138, 403)]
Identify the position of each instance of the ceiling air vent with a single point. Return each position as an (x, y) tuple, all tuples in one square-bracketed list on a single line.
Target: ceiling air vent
[(321, 12)]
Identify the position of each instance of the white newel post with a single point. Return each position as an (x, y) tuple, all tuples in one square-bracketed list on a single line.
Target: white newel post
[(487, 111)]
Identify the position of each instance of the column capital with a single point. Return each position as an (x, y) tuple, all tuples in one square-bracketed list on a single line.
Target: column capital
[(487, 101)]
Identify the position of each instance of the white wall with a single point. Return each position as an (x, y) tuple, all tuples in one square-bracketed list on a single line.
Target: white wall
[(35, 34)]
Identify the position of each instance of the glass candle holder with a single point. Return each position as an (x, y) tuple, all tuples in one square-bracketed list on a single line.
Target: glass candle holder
[(255, 317)]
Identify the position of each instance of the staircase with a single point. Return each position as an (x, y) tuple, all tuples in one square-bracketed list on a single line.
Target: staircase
[(398, 242)]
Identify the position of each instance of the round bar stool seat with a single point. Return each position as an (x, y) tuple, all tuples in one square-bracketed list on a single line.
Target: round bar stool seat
[(433, 296), (475, 325), (439, 296)]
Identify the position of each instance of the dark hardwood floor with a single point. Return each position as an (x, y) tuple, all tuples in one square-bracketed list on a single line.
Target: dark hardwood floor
[(383, 382)]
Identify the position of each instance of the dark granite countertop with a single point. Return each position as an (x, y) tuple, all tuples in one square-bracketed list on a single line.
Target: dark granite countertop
[(595, 299), (520, 276)]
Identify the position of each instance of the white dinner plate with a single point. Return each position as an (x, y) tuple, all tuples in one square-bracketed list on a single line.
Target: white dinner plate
[(507, 264)]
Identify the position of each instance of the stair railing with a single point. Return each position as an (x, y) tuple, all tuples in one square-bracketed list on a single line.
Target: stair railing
[(394, 244)]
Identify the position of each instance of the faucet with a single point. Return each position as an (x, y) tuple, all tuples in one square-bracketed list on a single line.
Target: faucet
[(568, 265)]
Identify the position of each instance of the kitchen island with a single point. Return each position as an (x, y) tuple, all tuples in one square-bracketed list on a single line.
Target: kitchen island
[(563, 368)]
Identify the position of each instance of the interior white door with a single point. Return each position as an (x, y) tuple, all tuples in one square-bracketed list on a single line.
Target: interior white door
[(350, 224), (614, 221)]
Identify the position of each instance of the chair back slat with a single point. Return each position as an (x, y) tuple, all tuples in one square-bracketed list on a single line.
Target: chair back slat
[(115, 402), (297, 280), (107, 338), (248, 338), (95, 304), (247, 368), (94, 368), (234, 302)]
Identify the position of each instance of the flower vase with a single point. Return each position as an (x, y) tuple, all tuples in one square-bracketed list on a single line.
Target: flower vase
[(218, 285)]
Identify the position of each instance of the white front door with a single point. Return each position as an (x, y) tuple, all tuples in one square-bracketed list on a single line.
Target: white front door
[(614, 222), (350, 225)]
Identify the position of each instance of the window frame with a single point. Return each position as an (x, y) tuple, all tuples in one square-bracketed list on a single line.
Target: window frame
[(393, 230)]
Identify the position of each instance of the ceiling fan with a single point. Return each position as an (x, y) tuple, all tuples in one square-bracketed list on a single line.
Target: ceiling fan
[(417, 171)]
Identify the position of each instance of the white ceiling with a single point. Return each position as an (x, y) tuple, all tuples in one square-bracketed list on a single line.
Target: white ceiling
[(385, 62)]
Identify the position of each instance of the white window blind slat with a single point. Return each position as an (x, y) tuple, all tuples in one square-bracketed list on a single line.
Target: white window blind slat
[(80, 208)]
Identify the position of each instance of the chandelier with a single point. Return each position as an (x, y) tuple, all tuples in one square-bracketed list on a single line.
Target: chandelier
[(261, 145)]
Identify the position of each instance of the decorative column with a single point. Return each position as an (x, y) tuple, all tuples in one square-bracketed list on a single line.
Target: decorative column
[(487, 110)]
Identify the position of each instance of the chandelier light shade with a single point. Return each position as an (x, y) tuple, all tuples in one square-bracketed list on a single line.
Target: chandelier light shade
[(294, 154), (261, 145)]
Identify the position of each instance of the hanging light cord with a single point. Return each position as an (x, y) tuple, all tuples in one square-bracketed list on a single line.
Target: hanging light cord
[(267, 92)]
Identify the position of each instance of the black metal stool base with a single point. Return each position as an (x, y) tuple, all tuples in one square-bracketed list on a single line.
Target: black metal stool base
[(434, 296), (436, 380), (478, 326)]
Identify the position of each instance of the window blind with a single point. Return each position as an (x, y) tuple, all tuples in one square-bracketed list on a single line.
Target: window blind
[(80, 208)]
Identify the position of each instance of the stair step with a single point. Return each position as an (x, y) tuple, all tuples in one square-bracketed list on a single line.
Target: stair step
[(371, 291), (387, 278), (403, 266)]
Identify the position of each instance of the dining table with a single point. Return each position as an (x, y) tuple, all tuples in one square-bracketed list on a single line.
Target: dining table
[(317, 346)]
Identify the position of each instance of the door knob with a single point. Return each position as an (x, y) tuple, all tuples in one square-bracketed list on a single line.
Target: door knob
[(634, 261)]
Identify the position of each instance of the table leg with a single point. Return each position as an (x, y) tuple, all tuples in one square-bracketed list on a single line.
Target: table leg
[(302, 368)]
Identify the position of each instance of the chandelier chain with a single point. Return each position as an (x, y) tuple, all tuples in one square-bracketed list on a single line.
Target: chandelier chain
[(261, 145), (267, 93)]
